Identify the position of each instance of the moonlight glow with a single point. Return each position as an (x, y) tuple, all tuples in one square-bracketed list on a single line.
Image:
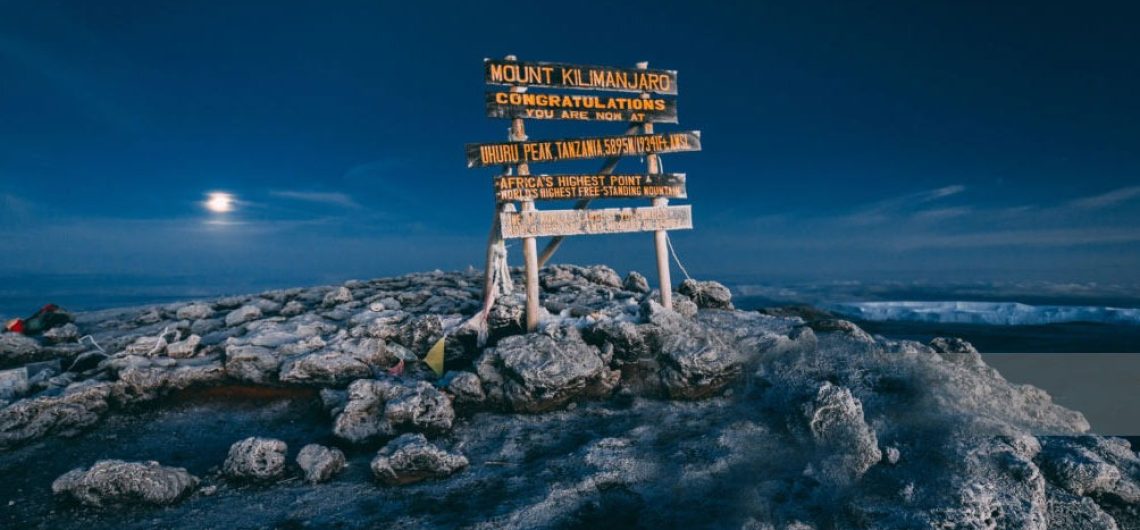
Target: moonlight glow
[(220, 202)]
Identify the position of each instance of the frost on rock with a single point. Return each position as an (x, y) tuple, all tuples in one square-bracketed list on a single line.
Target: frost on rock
[(256, 459), (411, 458), (242, 315), (850, 448), (707, 294), (384, 407), (255, 364), (538, 371), (320, 463), (81, 405), (814, 423), (113, 482)]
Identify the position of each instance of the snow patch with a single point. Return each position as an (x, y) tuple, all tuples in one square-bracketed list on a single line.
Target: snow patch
[(991, 313)]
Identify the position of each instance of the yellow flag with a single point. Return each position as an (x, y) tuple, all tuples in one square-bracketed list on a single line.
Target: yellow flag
[(434, 357)]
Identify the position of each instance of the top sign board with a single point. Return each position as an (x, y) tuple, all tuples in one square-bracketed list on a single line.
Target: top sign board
[(558, 75)]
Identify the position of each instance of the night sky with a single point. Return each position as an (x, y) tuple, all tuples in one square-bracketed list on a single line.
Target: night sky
[(842, 141)]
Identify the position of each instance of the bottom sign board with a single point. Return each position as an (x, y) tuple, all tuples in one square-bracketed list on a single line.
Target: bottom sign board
[(542, 223)]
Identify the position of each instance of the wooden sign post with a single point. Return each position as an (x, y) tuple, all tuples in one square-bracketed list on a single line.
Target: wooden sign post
[(516, 184)]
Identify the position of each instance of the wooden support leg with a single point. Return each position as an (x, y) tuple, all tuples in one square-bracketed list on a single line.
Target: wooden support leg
[(662, 245), (530, 253)]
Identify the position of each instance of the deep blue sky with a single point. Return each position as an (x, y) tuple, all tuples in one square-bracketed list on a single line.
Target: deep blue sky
[(842, 140)]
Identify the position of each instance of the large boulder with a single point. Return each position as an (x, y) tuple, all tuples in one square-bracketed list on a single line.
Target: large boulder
[(142, 379), (707, 295), (80, 406), (848, 445), (324, 368), (695, 361), (256, 459), (1093, 466), (383, 407), (113, 482), (320, 463), (539, 371), (411, 458)]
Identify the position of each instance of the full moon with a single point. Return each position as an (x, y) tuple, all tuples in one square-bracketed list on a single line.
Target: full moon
[(220, 202)]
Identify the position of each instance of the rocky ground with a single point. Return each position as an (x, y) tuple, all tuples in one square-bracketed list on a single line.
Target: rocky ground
[(306, 408)]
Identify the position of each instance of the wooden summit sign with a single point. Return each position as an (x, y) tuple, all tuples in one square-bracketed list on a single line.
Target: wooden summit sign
[(558, 75), (562, 187), (511, 153), (578, 107), (586, 222), (516, 184)]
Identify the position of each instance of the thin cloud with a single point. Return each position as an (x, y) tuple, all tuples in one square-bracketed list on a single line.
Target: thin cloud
[(882, 211), (1022, 238), (1106, 200), (939, 214), (328, 198)]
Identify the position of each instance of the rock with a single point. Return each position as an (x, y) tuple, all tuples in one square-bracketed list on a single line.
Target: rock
[(340, 295), (292, 308), (421, 333), (836, 325), (603, 275), (147, 346), (267, 307), (1092, 466), (634, 281), (184, 348), (255, 364), (66, 333), (80, 405), (231, 302), (142, 379), (206, 326), (850, 448), (410, 458), (630, 341), (13, 383), (382, 407), (466, 388), (1069, 511), (17, 349), (695, 361), (243, 314), (685, 307), (114, 482), (707, 295), (256, 459), (325, 368), (148, 317), (87, 361), (507, 317), (952, 345), (194, 312), (539, 372), (320, 463), (957, 350)]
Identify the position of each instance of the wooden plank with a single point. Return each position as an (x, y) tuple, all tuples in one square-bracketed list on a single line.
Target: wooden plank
[(582, 77), (510, 153), (585, 222), (608, 186), (580, 107)]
